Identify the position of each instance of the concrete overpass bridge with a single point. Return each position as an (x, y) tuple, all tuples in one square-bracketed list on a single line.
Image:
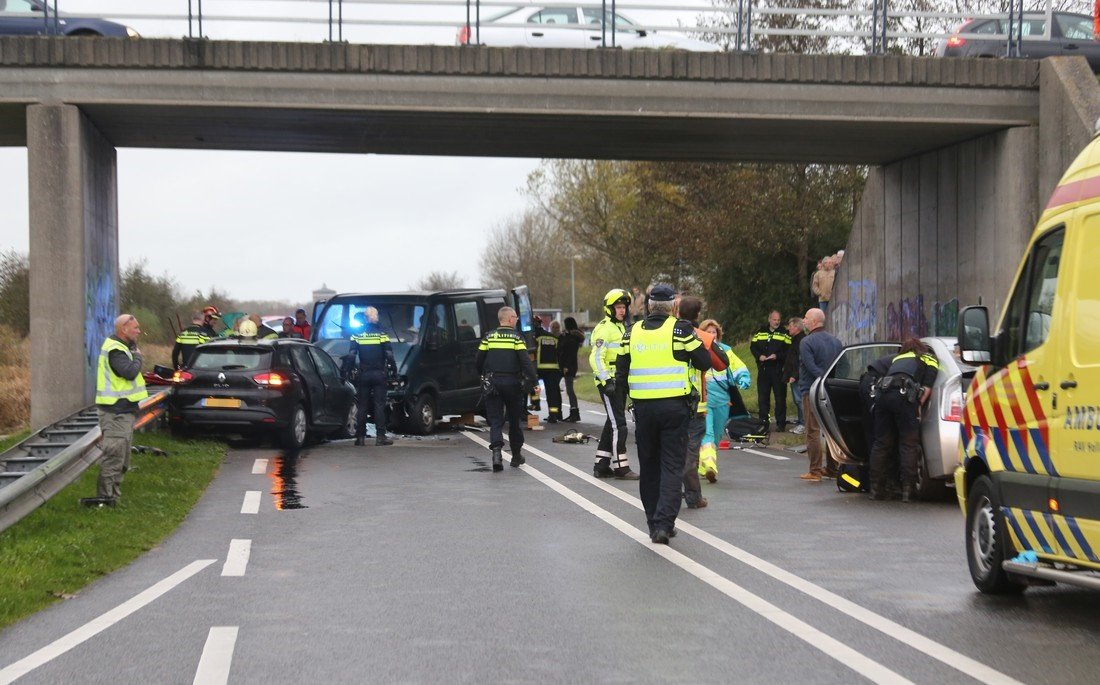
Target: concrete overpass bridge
[(960, 150)]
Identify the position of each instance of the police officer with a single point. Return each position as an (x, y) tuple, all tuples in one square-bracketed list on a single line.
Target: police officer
[(607, 337), (188, 339), (656, 361), (372, 350), (546, 364), (504, 365), (898, 399), (120, 387), (769, 345)]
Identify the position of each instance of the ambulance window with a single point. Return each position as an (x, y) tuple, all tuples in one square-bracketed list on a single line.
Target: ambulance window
[(1028, 319)]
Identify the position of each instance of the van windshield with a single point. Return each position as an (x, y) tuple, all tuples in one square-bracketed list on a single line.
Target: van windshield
[(401, 321)]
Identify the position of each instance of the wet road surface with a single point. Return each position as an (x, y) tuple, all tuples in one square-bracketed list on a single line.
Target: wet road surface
[(416, 563)]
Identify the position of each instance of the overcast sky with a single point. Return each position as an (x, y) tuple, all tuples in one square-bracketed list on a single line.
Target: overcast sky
[(278, 225)]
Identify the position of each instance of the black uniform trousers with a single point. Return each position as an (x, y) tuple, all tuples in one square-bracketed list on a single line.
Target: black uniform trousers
[(662, 435), (371, 392), (769, 383), (506, 396), (897, 434), (552, 379), (613, 436)]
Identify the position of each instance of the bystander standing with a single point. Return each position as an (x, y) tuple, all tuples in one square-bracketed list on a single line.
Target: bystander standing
[(817, 351)]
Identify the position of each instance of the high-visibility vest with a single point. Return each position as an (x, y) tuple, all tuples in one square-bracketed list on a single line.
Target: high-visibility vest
[(109, 386), (909, 363), (607, 337), (370, 338), (654, 372), (189, 336)]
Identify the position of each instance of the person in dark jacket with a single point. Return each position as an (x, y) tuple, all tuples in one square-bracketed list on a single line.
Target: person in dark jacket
[(120, 388), (816, 352), (790, 370), (505, 365), (769, 347), (569, 344), (546, 364), (374, 354), (188, 339)]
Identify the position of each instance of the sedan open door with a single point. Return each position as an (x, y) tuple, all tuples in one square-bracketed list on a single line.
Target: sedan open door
[(836, 403)]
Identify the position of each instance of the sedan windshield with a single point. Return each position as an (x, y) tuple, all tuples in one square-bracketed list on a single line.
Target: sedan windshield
[(231, 359)]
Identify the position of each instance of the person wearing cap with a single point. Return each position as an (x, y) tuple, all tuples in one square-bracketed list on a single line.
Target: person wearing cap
[(656, 363), (210, 314), (301, 324)]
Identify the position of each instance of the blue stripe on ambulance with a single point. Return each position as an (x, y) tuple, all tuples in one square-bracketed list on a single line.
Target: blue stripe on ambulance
[(1035, 529), (1072, 522)]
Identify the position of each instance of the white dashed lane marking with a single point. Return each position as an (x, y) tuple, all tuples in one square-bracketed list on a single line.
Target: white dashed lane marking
[(251, 504), (236, 561), (260, 466), (217, 656)]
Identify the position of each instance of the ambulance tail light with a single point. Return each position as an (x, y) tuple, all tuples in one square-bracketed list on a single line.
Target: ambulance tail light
[(951, 406)]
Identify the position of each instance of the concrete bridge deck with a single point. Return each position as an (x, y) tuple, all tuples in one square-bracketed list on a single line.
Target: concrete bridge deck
[(517, 102)]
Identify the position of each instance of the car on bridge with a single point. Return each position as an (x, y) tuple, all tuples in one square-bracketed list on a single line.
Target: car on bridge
[(285, 386), (579, 26), (35, 18), (1070, 34), (836, 402)]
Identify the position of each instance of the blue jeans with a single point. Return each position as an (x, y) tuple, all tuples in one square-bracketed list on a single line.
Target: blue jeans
[(796, 395)]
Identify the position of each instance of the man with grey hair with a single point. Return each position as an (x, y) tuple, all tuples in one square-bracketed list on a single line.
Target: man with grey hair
[(816, 352), (655, 362), (504, 365), (188, 339), (119, 389)]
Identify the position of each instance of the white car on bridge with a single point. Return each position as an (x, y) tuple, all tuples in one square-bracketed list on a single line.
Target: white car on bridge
[(580, 26)]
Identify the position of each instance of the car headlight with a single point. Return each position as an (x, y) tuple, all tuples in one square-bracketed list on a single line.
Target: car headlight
[(132, 33)]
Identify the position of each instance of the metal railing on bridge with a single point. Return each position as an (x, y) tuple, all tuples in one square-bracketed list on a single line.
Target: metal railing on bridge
[(861, 27)]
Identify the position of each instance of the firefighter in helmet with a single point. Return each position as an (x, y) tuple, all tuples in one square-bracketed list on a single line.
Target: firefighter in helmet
[(611, 461)]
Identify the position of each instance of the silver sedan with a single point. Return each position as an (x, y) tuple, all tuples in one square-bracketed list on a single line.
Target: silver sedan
[(836, 402), (579, 26)]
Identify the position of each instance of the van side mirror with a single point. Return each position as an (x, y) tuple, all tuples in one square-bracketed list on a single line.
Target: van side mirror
[(975, 346)]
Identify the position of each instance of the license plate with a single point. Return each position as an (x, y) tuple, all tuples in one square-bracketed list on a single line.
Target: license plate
[(221, 403)]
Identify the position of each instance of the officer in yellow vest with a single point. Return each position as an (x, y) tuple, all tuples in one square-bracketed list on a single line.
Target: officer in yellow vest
[(505, 366), (371, 349), (655, 362), (119, 389), (607, 336), (188, 339)]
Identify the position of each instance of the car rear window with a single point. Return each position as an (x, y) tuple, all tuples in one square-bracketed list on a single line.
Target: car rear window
[(244, 359)]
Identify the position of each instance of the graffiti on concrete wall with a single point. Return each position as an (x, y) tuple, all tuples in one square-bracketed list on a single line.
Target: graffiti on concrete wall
[(100, 310), (945, 317), (905, 319), (862, 310)]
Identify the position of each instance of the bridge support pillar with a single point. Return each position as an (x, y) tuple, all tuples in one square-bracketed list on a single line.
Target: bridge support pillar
[(73, 256)]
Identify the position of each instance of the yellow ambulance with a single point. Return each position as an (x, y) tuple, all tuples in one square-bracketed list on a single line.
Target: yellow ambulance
[(1029, 480)]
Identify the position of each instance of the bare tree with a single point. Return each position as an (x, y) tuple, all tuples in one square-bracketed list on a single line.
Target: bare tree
[(529, 250), (439, 280)]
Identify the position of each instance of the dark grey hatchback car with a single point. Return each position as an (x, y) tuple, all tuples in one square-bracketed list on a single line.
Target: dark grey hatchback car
[(1070, 34), (36, 18), (285, 387)]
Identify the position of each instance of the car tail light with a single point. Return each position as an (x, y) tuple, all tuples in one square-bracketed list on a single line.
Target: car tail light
[(951, 408), (956, 42), (182, 377), (464, 35), (271, 380)]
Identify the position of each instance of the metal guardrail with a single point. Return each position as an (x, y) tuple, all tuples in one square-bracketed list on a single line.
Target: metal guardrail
[(45, 463), (863, 25)]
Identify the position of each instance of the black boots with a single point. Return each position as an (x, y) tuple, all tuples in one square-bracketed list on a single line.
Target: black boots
[(359, 442), (574, 415), (498, 460), (602, 469), (908, 493), (382, 441), (517, 458)]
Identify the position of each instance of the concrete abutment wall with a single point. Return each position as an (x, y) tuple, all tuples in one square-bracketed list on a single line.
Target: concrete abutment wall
[(73, 256), (947, 228)]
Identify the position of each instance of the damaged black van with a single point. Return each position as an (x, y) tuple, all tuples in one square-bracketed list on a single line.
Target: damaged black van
[(435, 336)]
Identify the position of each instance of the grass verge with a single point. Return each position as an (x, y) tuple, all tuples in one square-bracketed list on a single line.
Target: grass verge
[(61, 547)]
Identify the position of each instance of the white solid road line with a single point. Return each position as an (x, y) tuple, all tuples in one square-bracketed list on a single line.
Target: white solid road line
[(946, 655), (236, 561), (251, 504), (98, 625), (259, 466), (842, 653), (598, 413), (764, 454), (217, 656)]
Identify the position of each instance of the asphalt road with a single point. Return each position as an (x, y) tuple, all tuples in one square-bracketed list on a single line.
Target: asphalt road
[(416, 563)]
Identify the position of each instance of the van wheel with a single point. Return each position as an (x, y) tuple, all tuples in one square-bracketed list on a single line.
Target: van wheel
[(297, 429), (422, 414), (928, 489), (987, 542)]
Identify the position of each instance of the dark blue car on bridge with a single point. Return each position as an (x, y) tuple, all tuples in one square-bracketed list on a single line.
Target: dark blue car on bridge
[(36, 18)]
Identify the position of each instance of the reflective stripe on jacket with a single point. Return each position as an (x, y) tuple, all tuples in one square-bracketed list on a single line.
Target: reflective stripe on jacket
[(607, 339), (654, 372), (109, 386)]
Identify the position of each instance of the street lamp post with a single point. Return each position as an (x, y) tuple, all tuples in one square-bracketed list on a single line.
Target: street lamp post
[(573, 280)]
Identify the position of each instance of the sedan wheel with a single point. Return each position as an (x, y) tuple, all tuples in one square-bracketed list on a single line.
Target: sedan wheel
[(294, 435), (348, 430)]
